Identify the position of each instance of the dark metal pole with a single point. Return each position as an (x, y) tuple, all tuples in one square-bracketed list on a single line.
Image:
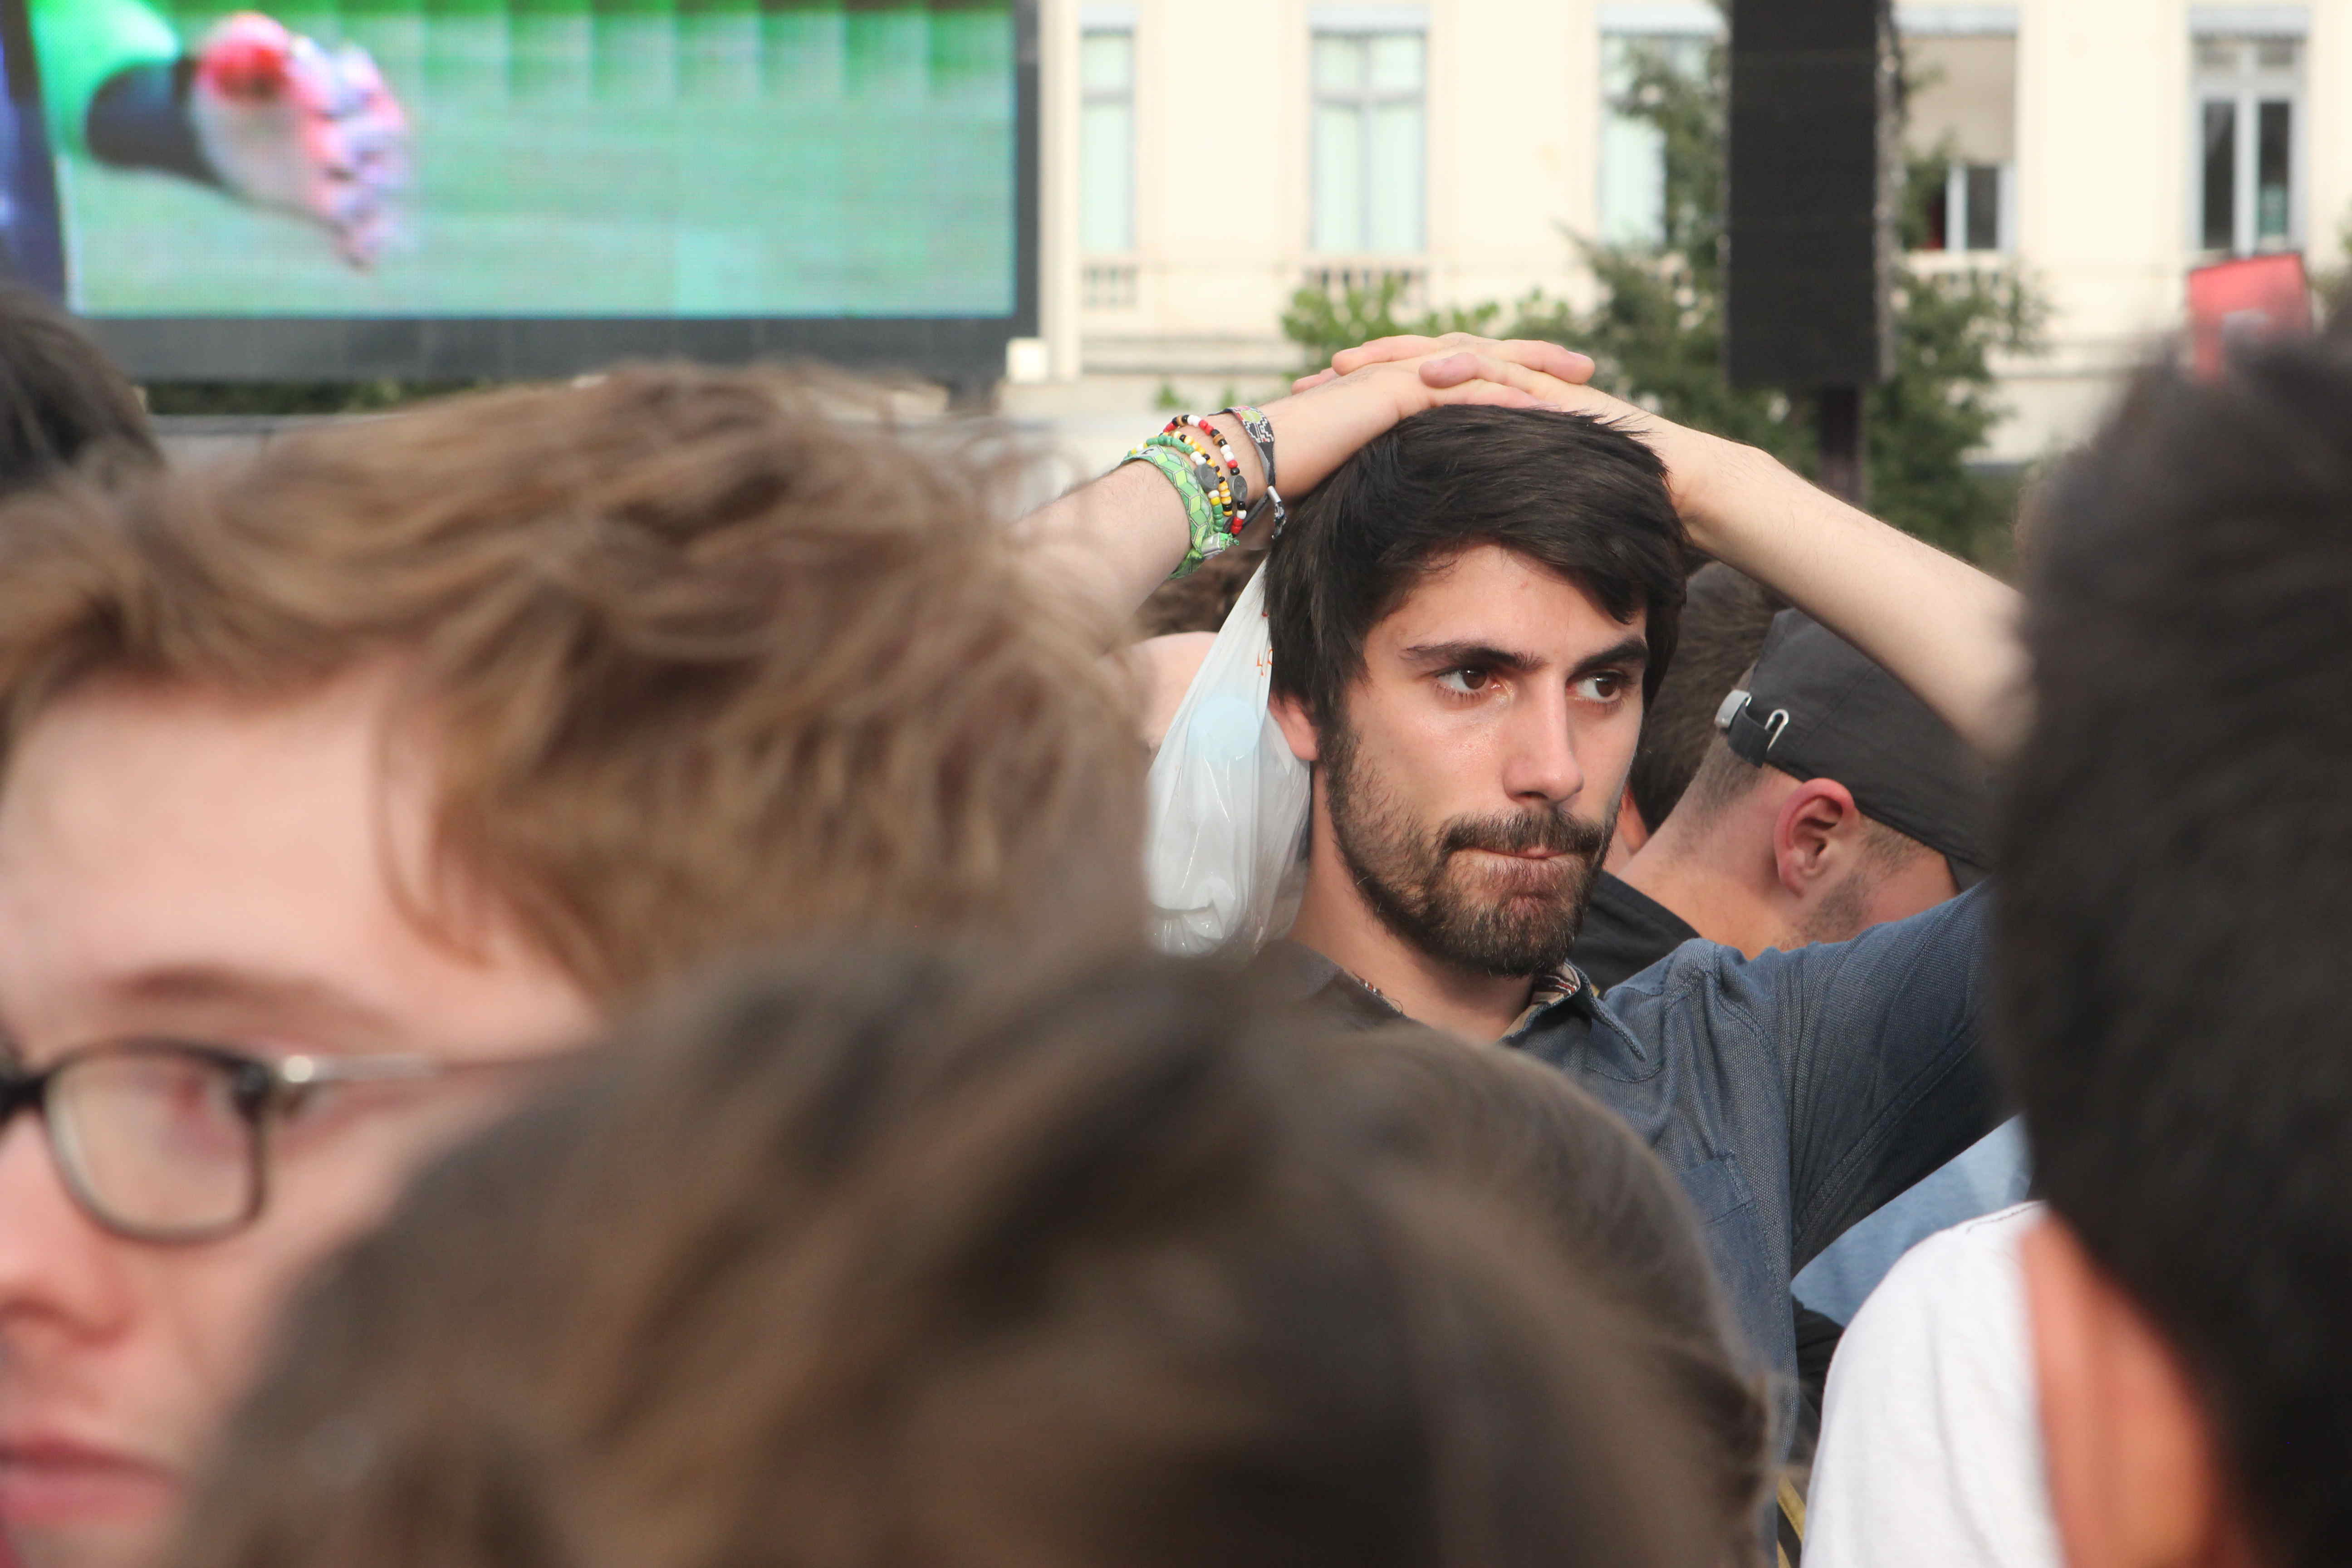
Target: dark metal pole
[(1845, 472)]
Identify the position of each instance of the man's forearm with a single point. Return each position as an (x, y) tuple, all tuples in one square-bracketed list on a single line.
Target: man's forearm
[(1110, 543), (1945, 629), (1941, 627)]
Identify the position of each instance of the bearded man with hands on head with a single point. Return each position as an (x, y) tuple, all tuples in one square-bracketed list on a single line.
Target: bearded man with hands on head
[(1464, 621)]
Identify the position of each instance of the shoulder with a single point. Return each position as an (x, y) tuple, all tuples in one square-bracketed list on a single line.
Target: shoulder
[(1930, 1451), (1956, 1300)]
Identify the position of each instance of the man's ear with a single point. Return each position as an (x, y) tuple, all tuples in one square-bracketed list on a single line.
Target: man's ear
[(1296, 728), (1815, 819), (1631, 833), (2135, 1472)]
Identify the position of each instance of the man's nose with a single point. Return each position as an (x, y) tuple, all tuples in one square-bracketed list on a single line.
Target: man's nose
[(59, 1271), (1540, 765)]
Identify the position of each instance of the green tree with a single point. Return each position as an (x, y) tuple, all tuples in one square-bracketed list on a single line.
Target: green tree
[(2335, 286), (1658, 325)]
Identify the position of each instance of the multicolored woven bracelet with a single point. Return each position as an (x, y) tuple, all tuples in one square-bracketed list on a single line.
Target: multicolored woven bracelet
[(1210, 534)]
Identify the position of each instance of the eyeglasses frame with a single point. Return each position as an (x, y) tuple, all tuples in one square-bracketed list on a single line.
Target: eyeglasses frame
[(263, 1088)]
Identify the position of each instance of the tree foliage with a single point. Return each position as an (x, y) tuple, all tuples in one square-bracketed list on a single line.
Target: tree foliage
[(1657, 329)]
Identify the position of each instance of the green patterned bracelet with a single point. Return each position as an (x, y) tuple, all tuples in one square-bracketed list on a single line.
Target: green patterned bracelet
[(1199, 513)]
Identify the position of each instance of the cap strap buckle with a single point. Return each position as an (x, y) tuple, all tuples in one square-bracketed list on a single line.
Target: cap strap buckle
[(1748, 737)]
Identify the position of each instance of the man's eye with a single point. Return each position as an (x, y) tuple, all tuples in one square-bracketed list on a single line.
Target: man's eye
[(1606, 687), (1467, 682)]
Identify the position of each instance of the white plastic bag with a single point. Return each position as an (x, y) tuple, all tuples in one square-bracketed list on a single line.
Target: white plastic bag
[(1227, 802)]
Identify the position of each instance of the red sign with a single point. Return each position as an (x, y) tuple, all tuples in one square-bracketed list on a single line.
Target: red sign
[(2245, 300)]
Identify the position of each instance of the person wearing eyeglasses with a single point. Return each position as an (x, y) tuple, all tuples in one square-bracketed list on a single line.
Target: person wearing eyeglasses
[(343, 790)]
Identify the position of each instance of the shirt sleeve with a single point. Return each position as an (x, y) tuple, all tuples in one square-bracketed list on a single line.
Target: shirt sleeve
[(83, 43), (1879, 1043), (1930, 1452)]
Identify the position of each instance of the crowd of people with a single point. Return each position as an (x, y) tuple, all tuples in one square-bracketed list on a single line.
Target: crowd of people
[(573, 991)]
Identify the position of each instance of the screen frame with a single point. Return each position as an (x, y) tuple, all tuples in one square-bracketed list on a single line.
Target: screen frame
[(961, 351)]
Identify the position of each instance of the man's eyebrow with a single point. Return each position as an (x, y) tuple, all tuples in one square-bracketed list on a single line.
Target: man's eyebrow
[(1631, 652), (296, 1002), (1470, 656)]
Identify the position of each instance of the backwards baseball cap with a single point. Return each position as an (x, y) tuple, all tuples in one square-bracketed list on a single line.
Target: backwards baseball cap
[(1815, 707)]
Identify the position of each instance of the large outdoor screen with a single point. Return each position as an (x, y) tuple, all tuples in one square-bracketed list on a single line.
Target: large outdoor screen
[(473, 162)]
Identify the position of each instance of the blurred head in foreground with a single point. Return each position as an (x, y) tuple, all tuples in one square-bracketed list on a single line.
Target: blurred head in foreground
[(343, 785), (861, 1262), (2171, 946)]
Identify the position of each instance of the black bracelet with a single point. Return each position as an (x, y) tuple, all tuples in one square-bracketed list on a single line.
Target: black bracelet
[(1260, 430)]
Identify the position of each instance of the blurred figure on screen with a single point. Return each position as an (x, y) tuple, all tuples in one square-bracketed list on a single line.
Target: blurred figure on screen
[(269, 116)]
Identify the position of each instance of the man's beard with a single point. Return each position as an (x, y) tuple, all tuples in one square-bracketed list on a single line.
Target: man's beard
[(1504, 918)]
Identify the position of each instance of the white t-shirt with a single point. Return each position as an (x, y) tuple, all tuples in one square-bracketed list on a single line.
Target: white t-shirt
[(1931, 1447)]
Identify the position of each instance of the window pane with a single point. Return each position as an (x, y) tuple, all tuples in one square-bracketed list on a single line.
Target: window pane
[(1339, 63), (1984, 206), (1633, 182), (2274, 179), (1396, 62), (1633, 150), (2278, 53), (1393, 173), (1339, 178), (1107, 62), (1107, 177), (2221, 203)]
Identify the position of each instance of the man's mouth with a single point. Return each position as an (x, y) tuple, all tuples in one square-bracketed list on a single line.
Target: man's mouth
[(49, 1480)]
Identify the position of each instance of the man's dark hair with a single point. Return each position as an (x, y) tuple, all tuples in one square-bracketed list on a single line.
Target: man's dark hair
[(2171, 936), (60, 396), (1725, 620), (1565, 491), (1201, 601), (876, 1258)]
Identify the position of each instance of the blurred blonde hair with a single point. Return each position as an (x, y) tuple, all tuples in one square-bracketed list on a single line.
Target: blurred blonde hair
[(703, 663)]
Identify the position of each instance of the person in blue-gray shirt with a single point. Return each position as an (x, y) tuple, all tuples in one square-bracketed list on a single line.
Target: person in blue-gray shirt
[(1466, 616)]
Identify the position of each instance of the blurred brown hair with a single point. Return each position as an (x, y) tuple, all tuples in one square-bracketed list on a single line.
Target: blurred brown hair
[(866, 1262), (1522, 1132), (701, 663), (1202, 599)]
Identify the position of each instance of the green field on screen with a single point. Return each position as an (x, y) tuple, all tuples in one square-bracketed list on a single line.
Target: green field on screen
[(706, 158)]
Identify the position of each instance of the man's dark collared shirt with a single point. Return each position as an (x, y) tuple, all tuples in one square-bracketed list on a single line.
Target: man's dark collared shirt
[(1626, 931), (1792, 1093)]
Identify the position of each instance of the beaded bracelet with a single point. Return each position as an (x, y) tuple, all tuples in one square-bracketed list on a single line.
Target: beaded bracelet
[(1215, 479), (1260, 430), (1215, 482), (1201, 520), (1224, 451)]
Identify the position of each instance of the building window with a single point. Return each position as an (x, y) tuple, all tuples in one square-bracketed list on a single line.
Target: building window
[(1370, 152), (1967, 208), (1106, 140), (1963, 127), (1633, 149), (2249, 95)]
